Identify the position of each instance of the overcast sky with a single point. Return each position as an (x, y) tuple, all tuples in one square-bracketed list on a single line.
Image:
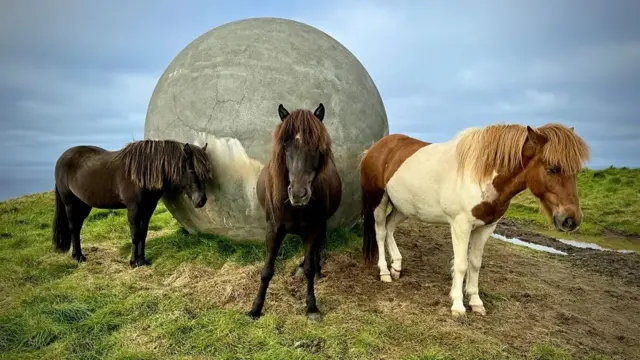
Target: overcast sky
[(76, 71)]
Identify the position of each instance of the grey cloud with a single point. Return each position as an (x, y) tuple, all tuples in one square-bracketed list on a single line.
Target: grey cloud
[(78, 72)]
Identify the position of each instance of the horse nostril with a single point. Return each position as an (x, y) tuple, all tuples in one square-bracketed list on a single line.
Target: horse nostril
[(569, 222)]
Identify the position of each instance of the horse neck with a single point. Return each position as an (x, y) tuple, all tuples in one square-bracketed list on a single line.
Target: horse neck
[(509, 185), (168, 185)]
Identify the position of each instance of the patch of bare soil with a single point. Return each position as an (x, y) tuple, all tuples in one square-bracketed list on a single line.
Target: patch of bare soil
[(620, 265), (619, 233), (530, 297), (587, 302)]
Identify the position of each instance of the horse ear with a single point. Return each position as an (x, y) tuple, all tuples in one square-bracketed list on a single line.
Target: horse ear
[(572, 129), (187, 149), (282, 112), (319, 112), (204, 148), (535, 137)]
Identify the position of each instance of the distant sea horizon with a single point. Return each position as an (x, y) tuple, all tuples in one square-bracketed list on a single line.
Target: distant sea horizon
[(31, 180)]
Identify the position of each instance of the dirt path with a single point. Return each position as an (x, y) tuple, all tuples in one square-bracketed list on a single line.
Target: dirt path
[(587, 303), (529, 295), (623, 266)]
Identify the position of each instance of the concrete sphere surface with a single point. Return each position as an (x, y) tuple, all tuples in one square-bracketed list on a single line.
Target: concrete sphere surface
[(224, 89)]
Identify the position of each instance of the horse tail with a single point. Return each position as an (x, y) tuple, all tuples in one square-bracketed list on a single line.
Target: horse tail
[(371, 196), (61, 233)]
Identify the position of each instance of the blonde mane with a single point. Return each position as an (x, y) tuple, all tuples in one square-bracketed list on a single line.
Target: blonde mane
[(481, 151)]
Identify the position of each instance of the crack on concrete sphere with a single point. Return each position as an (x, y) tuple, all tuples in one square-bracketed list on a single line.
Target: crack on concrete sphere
[(224, 89)]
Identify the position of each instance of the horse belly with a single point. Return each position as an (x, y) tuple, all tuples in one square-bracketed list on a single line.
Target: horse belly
[(416, 189), (97, 189), (421, 201)]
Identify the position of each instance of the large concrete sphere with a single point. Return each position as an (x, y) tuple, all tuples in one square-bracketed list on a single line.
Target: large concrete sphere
[(224, 89)]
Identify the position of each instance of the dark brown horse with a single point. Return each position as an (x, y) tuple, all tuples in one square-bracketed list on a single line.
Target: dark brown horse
[(133, 178), (299, 189)]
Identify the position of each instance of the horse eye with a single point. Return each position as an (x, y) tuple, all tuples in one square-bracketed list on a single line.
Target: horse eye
[(553, 170)]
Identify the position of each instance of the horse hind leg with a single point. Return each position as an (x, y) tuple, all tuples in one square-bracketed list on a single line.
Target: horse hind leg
[(77, 212), (313, 243), (380, 216), (394, 218), (299, 273)]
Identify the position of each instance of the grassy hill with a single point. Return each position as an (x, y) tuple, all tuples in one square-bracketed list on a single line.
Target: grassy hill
[(191, 302)]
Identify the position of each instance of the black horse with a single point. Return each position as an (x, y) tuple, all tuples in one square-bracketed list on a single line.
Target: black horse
[(299, 190), (134, 178)]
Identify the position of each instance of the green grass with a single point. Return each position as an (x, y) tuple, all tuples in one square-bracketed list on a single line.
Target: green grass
[(53, 308), (610, 201)]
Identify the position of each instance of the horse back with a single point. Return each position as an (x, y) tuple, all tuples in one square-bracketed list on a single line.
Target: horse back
[(383, 158), (75, 158), (88, 172)]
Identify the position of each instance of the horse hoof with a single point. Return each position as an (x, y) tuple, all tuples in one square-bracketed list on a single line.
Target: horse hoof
[(139, 262), (478, 309), (385, 278), (315, 316), (299, 275), (395, 274), (458, 313), (253, 315), (79, 258)]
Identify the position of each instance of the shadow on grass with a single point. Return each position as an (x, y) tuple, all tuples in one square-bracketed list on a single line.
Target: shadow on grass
[(83, 325), (168, 252), (103, 214)]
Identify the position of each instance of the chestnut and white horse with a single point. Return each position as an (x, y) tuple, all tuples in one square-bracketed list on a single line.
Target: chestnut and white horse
[(467, 182)]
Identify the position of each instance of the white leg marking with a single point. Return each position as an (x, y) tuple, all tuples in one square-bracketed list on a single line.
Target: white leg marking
[(380, 216), (395, 218), (478, 239), (460, 232)]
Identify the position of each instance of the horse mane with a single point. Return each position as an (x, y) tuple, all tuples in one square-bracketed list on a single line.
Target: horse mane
[(481, 151), (301, 125), (151, 163)]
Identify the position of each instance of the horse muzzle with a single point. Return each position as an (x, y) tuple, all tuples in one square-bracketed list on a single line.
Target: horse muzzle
[(565, 223), (200, 202), (299, 197)]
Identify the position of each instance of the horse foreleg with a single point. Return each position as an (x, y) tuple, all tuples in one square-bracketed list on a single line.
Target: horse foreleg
[(395, 218), (460, 232), (477, 241), (319, 259), (139, 226), (313, 243), (274, 240), (380, 216)]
